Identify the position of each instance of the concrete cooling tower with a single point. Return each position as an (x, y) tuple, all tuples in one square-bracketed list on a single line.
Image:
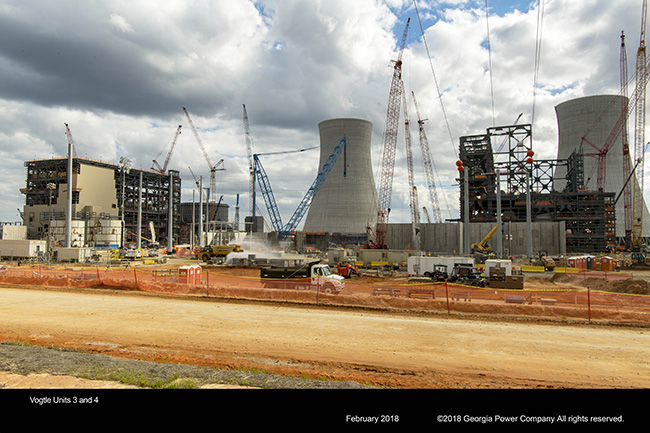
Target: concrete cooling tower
[(594, 118), (345, 204)]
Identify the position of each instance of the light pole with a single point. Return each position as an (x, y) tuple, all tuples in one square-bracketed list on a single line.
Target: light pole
[(125, 165)]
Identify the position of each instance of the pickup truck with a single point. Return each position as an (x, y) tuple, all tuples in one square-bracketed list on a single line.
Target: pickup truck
[(311, 276)]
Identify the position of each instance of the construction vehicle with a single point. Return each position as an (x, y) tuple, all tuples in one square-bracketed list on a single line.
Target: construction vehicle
[(217, 251), (482, 251), (347, 270), (546, 261), (467, 275), (313, 276), (440, 273)]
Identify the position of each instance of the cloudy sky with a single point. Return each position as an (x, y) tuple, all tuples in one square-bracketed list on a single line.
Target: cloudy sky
[(120, 72)]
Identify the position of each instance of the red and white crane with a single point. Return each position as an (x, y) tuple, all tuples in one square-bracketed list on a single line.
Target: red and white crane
[(377, 239)]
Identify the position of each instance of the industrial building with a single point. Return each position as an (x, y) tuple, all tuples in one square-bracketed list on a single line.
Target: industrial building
[(503, 178), (103, 195)]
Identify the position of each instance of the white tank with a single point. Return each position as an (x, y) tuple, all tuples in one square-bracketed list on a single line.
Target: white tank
[(104, 233), (77, 232), (345, 204)]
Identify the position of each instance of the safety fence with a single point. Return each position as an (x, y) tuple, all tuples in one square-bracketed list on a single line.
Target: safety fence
[(615, 299)]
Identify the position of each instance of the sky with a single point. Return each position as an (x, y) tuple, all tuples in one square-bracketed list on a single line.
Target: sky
[(119, 74)]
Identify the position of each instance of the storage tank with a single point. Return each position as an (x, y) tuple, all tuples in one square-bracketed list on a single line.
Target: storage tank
[(594, 118), (347, 203)]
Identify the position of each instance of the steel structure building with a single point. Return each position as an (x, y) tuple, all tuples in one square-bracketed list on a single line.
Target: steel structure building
[(589, 216), (346, 204), (100, 189)]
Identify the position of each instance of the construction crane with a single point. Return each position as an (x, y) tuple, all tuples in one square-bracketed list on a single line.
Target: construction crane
[(249, 150), (68, 134), (415, 208), (377, 239), (213, 168), (269, 198), (426, 214), (428, 164), (627, 171), (163, 169), (639, 132)]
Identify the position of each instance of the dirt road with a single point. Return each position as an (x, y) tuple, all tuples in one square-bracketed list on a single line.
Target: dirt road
[(380, 348)]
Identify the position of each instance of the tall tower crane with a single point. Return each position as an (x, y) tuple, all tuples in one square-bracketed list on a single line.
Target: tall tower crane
[(163, 169), (627, 190), (639, 131), (213, 168), (390, 144), (249, 149), (428, 165)]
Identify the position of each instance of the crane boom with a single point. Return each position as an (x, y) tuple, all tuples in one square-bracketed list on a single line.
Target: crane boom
[(639, 132), (428, 165), (163, 169), (249, 150), (390, 144), (627, 171), (269, 198), (213, 168)]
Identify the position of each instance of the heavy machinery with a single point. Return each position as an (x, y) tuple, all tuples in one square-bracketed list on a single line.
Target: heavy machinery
[(467, 275), (347, 270), (544, 260), (310, 276), (482, 251), (271, 205), (162, 169), (378, 237), (217, 251)]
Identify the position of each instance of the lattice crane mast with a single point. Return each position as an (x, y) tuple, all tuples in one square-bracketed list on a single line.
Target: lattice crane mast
[(269, 198), (428, 165), (627, 189), (639, 131), (390, 144), (415, 208), (213, 168), (249, 150), (163, 169), (68, 134)]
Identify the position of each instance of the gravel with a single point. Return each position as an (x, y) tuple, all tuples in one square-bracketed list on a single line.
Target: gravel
[(20, 359)]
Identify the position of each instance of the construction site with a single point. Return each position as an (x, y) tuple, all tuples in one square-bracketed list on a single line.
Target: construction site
[(561, 239)]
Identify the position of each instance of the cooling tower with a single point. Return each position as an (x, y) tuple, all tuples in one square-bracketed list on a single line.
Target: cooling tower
[(347, 202), (594, 118)]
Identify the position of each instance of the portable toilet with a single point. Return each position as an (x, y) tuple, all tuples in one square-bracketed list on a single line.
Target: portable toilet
[(188, 274)]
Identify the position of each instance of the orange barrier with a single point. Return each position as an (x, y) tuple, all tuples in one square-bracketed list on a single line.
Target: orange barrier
[(586, 304)]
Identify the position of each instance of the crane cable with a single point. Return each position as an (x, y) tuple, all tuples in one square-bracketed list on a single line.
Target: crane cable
[(435, 80), (538, 52)]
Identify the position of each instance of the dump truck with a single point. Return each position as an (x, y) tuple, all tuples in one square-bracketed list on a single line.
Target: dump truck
[(310, 276), (216, 251)]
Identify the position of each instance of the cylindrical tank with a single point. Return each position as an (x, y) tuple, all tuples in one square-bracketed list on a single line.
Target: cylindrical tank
[(594, 117), (347, 202)]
